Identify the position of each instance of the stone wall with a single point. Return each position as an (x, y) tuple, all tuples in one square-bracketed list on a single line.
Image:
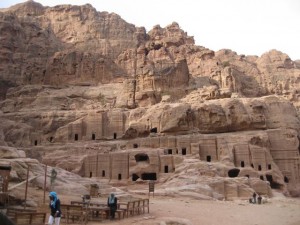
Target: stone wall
[(249, 156), (119, 166), (242, 155), (284, 148), (208, 149), (167, 164), (94, 126)]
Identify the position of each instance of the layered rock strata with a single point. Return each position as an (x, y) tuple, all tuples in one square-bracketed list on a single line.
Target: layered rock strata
[(127, 105)]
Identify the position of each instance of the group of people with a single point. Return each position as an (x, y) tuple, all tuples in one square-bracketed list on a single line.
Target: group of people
[(55, 212), (255, 200)]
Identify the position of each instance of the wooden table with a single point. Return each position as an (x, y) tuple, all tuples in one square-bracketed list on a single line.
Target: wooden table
[(98, 212), (84, 204)]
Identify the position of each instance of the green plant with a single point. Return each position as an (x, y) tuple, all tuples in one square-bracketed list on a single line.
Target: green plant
[(101, 98), (225, 64)]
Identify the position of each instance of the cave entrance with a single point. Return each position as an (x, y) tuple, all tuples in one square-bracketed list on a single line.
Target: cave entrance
[(93, 136), (153, 130), (269, 166), (169, 151), (183, 151), (286, 180), (119, 176), (135, 145), (233, 172), (135, 177), (91, 174), (76, 137), (103, 173), (149, 176), (242, 164), (166, 169), (273, 184), (35, 142), (141, 157), (115, 135), (259, 167), (269, 178), (208, 158)]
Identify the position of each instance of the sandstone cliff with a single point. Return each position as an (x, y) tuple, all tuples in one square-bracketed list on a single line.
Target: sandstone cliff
[(87, 84)]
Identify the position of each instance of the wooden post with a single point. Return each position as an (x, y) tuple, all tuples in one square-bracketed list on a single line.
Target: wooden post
[(151, 187), (26, 186), (45, 183)]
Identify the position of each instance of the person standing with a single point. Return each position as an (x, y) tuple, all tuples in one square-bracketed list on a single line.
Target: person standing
[(254, 197), (55, 212), (259, 198), (112, 203), (5, 220)]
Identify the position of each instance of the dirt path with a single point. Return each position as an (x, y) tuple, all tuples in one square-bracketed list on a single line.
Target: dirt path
[(276, 212)]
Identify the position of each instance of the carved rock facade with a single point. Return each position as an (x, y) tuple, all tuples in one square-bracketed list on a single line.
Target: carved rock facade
[(87, 83)]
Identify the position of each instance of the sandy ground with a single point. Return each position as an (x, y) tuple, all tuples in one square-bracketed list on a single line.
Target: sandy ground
[(277, 211)]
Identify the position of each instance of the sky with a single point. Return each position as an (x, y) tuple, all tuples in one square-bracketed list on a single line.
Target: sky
[(250, 27)]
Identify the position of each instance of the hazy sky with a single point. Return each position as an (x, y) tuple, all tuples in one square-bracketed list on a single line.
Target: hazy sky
[(250, 27)]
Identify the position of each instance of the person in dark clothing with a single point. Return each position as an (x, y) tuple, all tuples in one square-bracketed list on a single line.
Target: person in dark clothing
[(4, 220), (254, 198), (259, 198), (55, 212), (112, 203)]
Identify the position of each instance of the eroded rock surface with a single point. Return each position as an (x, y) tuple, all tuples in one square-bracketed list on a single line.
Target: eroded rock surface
[(91, 94)]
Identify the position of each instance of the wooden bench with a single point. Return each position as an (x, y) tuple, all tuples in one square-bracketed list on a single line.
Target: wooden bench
[(98, 212), (146, 205), (30, 218), (138, 206), (127, 207), (135, 207), (74, 213), (94, 204), (11, 212), (120, 211), (84, 204)]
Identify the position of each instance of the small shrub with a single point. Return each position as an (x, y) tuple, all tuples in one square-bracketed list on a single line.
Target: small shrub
[(225, 64)]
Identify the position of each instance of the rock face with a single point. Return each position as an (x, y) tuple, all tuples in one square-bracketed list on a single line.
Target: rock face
[(128, 105)]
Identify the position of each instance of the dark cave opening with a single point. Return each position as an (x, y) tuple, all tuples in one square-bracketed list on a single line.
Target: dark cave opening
[(233, 172), (149, 176), (273, 184), (135, 177), (141, 157)]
